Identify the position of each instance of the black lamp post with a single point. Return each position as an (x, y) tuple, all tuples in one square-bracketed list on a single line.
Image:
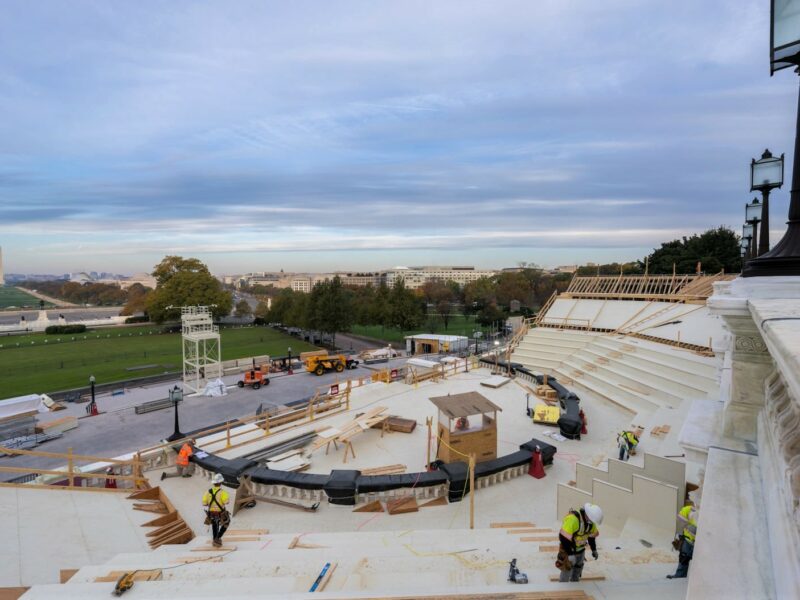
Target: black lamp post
[(289, 367), (784, 258), (766, 174), (477, 335), (176, 396), (747, 241), (752, 216)]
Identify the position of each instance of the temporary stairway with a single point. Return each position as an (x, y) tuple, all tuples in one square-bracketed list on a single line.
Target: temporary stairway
[(421, 563)]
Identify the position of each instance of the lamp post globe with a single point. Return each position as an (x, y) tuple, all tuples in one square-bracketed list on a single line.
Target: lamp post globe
[(289, 361), (752, 216)]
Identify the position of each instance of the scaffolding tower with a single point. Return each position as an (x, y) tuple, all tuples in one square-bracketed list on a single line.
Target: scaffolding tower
[(201, 348)]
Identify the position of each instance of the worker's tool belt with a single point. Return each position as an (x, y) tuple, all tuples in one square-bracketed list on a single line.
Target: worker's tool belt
[(676, 543), (562, 560)]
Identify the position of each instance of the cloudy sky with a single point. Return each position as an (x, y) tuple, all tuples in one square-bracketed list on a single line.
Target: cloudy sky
[(322, 135)]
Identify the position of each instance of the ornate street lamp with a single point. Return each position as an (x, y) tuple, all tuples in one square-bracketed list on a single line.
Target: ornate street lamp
[(747, 240), (289, 366), (752, 216), (176, 396), (784, 258), (766, 174)]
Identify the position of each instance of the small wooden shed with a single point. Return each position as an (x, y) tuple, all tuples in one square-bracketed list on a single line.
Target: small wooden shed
[(467, 424)]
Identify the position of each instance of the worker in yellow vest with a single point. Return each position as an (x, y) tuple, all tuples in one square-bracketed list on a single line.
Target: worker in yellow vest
[(183, 468), (215, 500), (688, 517), (578, 528), (627, 440)]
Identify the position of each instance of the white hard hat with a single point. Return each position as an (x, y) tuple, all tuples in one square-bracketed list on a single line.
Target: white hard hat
[(218, 478), (594, 512)]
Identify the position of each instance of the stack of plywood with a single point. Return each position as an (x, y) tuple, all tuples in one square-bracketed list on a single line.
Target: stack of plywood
[(58, 426)]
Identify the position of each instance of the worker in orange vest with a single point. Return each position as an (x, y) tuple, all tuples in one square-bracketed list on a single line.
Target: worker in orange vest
[(183, 468)]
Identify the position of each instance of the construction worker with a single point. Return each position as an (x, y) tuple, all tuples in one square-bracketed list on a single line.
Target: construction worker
[(578, 528), (215, 501), (183, 468), (627, 440), (688, 517)]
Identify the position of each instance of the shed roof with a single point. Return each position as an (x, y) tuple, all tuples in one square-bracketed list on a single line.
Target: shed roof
[(464, 405)]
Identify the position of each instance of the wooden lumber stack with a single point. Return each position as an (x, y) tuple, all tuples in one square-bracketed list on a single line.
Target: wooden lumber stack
[(660, 430), (58, 426), (387, 470), (138, 575), (170, 528), (395, 423)]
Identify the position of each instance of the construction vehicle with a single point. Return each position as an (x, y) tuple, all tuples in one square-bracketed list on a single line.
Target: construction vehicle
[(254, 378), (329, 362)]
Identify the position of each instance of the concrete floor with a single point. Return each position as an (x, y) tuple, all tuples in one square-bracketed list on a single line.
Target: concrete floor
[(48, 530), (119, 430)]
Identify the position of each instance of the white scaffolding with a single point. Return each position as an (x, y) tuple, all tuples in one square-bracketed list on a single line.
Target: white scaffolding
[(201, 348)]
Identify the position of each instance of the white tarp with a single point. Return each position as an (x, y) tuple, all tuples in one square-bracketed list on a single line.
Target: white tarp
[(21, 405), (421, 363), (216, 388)]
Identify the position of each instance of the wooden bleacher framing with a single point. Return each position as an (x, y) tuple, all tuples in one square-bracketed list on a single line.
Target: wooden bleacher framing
[(691, 289), (346, 432)]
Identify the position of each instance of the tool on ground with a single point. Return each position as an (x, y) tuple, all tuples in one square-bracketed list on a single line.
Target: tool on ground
[(124, 583), (514, 576), (528, 405), (320, 577)]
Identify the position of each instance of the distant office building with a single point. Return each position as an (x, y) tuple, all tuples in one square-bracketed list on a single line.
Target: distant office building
[(81, 278), (566, 269), (415, 277), (360, 279)]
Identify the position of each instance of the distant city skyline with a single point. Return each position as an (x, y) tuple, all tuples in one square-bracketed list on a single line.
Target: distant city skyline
[(260, 136)]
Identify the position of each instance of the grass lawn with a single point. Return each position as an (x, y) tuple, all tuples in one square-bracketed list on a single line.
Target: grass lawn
[(10, 296), (458, 325), (39, 363)]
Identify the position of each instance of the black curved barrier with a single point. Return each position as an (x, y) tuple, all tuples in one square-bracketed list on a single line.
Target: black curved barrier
[(458, 474), (548, 450), (303, 481), (341, 486), (383, 483), (490, 467), (570, 422), (230, 468)]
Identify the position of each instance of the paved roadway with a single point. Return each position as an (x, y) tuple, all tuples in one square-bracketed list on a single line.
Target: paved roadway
[(119, 430)]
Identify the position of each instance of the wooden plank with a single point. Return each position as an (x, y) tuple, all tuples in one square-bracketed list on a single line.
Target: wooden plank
[(440, 501), (161, 521), (212, 549), (236, 538), (374, 507), (387, 470), (511, 524), (538, 539), (529, 530), (402, 505), (12, 593), (187, 560), (157, 533), (583, 578), (151, 494), (64, 575), (327, 577), (548, 548), (77, 488), (179, 536), (247, 532), (143, 575)]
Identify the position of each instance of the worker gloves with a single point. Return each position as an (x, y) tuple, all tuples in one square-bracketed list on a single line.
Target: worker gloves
[(595, 555)]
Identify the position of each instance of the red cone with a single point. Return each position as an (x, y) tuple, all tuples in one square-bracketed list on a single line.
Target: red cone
[(583, 422), (537, 467)]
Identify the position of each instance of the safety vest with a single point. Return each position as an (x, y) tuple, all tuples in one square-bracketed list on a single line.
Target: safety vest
[(630, 438), (576, 525), (215, 499), (183, 455), (688, 513)]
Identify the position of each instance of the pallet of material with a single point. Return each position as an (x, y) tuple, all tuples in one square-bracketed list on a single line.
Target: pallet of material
[(395, 423), (387, 470), (660, 430), (58, 426), (495, 381)]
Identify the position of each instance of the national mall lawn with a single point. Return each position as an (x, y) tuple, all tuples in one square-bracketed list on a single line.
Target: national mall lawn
[(39, 363)]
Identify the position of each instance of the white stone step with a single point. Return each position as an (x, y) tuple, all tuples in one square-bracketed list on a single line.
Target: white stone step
[(598, 385), (706, 367)]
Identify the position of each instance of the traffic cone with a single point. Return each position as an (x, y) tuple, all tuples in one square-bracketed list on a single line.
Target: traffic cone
[(537, 467), (583, 422)]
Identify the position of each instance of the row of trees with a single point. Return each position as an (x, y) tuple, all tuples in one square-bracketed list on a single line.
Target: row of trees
[(97, 294)]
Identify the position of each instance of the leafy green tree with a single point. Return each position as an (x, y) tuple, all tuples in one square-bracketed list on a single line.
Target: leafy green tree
[(406, 311), (330, 307), (242, 309), (137, 299), (185, 282), (715, 250), (281, 306), (380, 309), (440, 294), (479, 293), (490, 314)]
